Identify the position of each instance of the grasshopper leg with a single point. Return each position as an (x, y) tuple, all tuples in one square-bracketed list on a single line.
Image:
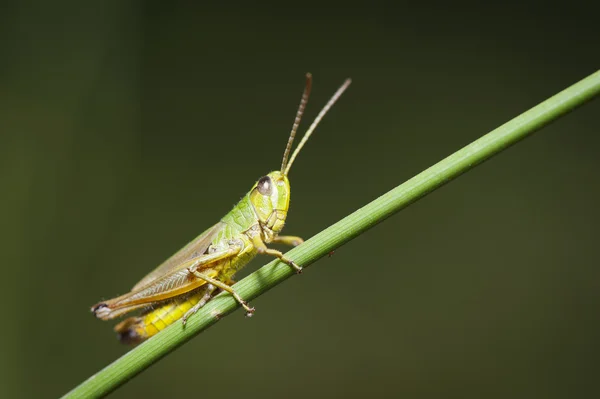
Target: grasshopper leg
[(224, 287), (288, 240), (209, 291), (281, 257), (262, 249)]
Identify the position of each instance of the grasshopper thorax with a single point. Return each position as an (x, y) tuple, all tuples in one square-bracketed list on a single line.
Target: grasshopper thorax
[(270, 197)]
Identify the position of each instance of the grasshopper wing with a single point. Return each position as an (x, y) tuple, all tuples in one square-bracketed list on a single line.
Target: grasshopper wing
[(171, 278), (172, 284), (194, 249)]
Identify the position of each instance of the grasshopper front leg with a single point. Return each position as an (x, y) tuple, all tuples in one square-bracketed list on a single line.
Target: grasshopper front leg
[(292, 241), (261, 247)]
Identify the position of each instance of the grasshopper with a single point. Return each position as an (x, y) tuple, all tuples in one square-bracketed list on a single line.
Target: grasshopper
[(186, 281)]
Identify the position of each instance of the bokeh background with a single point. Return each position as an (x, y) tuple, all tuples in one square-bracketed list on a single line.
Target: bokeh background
[(126, 128)]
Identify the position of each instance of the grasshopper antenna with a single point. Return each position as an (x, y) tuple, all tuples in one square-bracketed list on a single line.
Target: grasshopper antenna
[(297, 120), (314, 125)]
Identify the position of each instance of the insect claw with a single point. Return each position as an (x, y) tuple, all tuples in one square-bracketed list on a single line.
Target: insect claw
[(298, 268), (249, 310)]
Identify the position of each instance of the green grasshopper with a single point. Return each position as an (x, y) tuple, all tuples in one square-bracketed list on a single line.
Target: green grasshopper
[(187, 280)]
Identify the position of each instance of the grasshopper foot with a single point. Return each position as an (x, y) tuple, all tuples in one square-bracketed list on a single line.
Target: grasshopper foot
[(297, 267), (249, 310), (187, 315)]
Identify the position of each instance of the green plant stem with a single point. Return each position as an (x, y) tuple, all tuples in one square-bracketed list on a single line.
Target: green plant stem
[(141, 357)]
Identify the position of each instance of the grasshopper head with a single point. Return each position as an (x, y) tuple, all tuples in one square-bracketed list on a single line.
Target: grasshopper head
[(270, 197)]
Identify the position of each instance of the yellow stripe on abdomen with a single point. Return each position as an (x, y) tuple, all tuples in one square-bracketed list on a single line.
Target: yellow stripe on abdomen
[(137, 329)]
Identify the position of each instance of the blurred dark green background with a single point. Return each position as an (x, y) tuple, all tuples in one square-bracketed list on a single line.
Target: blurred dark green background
[(126, 128)]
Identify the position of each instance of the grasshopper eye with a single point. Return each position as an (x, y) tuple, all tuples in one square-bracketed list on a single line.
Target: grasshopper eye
[(265, 185)]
